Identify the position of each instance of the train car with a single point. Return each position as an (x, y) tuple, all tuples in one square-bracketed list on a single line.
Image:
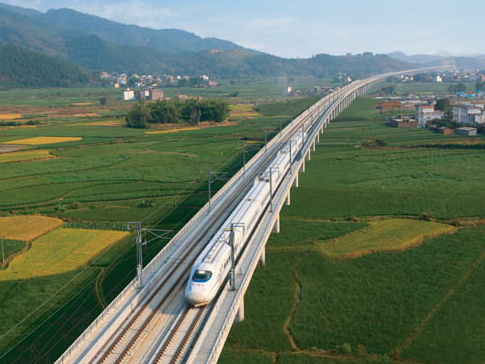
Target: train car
[(213, 265)]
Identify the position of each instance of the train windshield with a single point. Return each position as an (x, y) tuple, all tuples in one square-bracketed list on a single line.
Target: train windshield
[(202, 276)]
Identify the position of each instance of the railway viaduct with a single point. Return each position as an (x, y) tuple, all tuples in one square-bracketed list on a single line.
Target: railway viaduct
[(149, 321)]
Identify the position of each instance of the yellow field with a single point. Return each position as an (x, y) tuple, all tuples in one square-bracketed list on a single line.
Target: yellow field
[(385, 235), (114, 122), (28, 227), (60, 251), (172, 130), (86, 114), (81, 104), (10, 116), (243, 110), (25, 156), (43, 140)]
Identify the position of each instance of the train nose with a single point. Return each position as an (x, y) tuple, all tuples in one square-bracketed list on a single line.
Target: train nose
[(195, 297)]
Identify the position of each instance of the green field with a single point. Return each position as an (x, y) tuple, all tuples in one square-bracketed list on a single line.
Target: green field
[(418, 305), (112, 175), (302, 307)]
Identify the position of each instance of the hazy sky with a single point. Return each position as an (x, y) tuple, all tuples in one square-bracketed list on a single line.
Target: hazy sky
[(301, 28)]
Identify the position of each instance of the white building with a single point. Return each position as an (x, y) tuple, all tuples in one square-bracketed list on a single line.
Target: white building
[(122, 79), (439, 79), (128, 95), (468, 115), (425, 113)]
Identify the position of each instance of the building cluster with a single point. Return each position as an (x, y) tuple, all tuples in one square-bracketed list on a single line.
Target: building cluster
[(119, 80), (319, 91), (445, 76), (468, 117), (150, 94), (469, 113)]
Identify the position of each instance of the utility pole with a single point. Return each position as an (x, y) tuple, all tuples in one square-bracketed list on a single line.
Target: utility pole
[(244, 156), (209, 181), (232, 274), (209, 185), (3, 254), (139, 252), (158, 233)]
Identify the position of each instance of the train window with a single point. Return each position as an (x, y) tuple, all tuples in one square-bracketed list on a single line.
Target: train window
[(202, 276)]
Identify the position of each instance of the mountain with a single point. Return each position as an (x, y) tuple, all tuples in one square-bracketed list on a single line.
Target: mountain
[(417, 58), (468, 62), (166, 40), (21, 67), (69, 24), (98, 44)]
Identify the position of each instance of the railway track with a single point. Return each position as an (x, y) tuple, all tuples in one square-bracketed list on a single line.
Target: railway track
[(121, 347)]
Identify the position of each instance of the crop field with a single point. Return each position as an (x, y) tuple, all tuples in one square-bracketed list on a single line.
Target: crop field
[(25, 156), (9, 249), (27, 227), (385, 235), (60, 251), (109, 175), (418, 304), (43, 140), (10, 116), (53, 262)]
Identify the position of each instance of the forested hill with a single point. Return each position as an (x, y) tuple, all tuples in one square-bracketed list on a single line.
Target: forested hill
[(21, 67), (98, 44)]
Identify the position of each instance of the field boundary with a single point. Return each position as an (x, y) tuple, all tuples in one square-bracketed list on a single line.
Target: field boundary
[(409, 340)]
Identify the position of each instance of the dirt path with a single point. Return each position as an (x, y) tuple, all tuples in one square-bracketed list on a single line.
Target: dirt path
[(409, 340)]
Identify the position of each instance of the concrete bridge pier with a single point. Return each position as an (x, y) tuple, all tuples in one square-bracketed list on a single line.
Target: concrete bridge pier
[(276, 226), (288, 199), (262, 258), (313, 144), (240, 312), (295, 182), (302, 167)]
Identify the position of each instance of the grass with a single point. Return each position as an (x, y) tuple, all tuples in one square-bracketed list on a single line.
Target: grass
[(10, 248), (60, 251), (99, 182), (378, 300), (24, 156), (43, 140), (385, 235), (245, 110), (400, 304), (456, 333), (27, 227)]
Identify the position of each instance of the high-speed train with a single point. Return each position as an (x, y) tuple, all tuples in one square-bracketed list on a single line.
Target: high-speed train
[(214, 263)]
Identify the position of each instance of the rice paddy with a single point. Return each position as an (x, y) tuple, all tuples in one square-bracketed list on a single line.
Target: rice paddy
[(60, 251), (43, 140), (385, 235), (25, 156), (27, 227), (10, 116)]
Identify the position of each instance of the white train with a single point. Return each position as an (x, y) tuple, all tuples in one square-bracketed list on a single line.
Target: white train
[(214, 263)]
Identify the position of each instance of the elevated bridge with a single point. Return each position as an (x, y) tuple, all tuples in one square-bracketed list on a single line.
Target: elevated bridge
[(149, 321)]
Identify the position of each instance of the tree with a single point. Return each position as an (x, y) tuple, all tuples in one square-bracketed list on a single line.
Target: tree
[(459, 87), (103, 100), (443, 104), (139, 116)]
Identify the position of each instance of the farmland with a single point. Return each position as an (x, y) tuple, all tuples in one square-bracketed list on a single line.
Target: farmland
[(14, 227), (305, 306), (408, 303), (385, 235), (99, 175)]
